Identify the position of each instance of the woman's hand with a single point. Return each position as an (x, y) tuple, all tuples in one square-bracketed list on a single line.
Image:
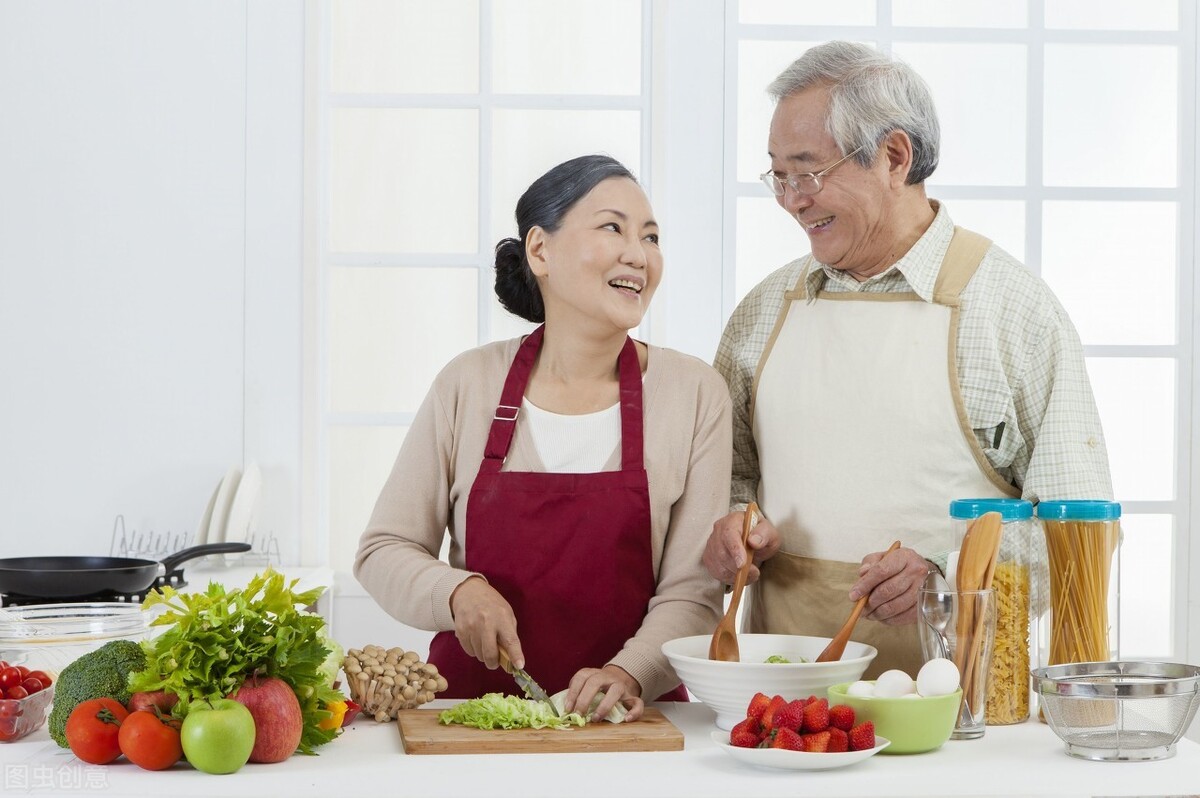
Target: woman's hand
[(484, 621), (617, 685)]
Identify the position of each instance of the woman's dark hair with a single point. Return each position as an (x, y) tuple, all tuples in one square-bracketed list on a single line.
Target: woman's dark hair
[(544, 204)]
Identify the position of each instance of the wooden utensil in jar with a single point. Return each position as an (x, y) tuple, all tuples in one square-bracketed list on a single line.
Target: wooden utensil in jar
[(976, 567), (724, 644), (837, 646)]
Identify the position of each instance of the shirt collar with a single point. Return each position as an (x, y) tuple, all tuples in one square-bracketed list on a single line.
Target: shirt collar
[(918, 267)]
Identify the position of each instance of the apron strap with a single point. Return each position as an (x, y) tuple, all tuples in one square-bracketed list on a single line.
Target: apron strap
[(962, 259), (504, 420)]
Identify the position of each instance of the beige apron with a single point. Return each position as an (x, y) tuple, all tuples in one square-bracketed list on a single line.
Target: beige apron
[(862, 439)]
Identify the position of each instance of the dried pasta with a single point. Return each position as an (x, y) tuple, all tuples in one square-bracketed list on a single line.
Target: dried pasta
[(1080, 561), (1008, 675)]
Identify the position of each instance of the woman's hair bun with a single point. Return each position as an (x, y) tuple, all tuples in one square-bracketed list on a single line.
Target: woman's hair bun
[(516, 287)]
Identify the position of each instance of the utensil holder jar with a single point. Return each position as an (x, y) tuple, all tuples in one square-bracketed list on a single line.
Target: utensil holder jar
[(1015, 583), (1082, 545)]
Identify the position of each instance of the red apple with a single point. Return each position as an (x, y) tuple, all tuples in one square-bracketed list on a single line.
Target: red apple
[(159, 698), (278, 721)]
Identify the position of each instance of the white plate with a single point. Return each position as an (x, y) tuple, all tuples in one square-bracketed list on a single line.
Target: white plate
[(206, 518), (795, 760), (220, 513), (244, 509)]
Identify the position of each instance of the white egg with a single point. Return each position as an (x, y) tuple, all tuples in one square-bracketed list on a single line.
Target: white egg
[(937, 677), (893, 684), (861, 689)]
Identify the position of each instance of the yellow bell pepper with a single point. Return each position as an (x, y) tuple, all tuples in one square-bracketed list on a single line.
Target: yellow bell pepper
[(334, 721)]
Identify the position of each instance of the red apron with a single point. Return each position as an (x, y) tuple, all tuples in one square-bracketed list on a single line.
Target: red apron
[(570, 552)]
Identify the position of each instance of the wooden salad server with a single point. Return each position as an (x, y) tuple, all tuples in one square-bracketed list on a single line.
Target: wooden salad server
[(837, 646), (976, 567), (724, 645)]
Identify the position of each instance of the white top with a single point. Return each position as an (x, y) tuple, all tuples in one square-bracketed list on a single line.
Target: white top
[(579, 444)]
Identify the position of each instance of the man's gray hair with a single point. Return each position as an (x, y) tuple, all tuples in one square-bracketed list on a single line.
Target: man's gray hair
[(870, 95)]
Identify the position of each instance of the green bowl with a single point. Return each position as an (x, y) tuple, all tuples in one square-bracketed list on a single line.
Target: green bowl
[(914, 725)]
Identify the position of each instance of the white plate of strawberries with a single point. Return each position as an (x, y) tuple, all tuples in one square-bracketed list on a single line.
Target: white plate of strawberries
[(804, 734)]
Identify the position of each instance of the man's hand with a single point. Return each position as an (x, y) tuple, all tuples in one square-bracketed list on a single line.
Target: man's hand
[(723, 554), (484, 621), (892, 580)]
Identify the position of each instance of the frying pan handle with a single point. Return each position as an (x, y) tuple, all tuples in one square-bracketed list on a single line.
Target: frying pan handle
[(192, 552)]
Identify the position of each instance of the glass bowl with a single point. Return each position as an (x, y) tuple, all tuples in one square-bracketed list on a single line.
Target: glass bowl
[(19, 717), (51, 636)]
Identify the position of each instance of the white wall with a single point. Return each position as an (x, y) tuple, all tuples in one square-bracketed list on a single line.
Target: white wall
[(150, 261)]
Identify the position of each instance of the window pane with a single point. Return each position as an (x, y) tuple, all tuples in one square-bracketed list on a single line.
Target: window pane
[(1003, 221), (1113, 14), (525, 144), (382, 357), (1111, 115), (792, 12), (1093, 251), (405, 46), (960, 13), (360, 459), (1136, 397), (404, 180), (1147, 585), (983, 132), (767, 238), (552, 47)]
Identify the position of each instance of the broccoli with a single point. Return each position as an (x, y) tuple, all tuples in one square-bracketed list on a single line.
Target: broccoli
[(97, 674)]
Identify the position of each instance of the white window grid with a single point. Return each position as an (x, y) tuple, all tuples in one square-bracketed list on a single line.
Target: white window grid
[(1185, 625), (485, 102)]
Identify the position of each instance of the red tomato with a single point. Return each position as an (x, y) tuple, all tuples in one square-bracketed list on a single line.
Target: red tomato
[(16, 693), (3, 664), (10, 677), (24, 671), (8, 729), (92, 730), (42, 677), (32, 685), (9, 709), (149, 740)]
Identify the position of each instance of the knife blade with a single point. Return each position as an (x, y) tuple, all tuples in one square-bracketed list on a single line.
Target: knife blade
[(526, 682)]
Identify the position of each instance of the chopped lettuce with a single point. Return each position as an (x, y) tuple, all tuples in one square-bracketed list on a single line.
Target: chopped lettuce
[(497, 711), (777, 659), (615, 715)]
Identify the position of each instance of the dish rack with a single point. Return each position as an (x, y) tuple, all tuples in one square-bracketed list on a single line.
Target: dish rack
[(155, 545)]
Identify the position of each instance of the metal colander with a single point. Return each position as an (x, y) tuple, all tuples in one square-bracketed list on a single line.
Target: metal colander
[(1119, 711)]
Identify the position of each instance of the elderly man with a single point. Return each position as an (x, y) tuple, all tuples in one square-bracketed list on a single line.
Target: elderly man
[(904, 363)]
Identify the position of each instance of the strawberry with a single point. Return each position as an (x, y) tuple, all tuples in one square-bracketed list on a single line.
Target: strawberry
[(787, 740), (839, 741), (791, 716), (862, 736), (810, 699), (746, 734), (817, 743), (842, 717), (816, 716), (758, 705), (768, 717)]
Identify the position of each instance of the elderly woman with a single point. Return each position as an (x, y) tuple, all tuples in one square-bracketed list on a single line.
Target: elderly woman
[(577, 470)]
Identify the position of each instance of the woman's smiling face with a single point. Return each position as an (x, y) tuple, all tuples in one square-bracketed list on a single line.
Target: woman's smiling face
[(603, 263)]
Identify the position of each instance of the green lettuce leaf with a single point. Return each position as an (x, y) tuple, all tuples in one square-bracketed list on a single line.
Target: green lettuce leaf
[(497, 711)]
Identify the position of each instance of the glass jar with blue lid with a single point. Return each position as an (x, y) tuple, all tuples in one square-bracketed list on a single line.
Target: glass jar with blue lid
[(1016, 582), (1082, 547)]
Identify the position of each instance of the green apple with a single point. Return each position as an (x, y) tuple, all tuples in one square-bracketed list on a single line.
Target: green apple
[(217, 737)]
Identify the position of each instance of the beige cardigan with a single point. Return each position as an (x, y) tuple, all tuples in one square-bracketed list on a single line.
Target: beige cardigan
[(688, 444)]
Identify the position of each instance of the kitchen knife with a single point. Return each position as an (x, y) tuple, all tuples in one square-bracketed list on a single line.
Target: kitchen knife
[(526, 682)]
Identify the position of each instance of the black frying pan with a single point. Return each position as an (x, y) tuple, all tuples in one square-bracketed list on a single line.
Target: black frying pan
[(64, 577)]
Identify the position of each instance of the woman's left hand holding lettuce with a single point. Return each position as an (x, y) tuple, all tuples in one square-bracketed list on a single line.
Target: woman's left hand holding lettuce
[(614, 682)]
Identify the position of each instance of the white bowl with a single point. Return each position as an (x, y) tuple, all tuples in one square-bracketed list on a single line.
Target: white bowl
[(727, 687)]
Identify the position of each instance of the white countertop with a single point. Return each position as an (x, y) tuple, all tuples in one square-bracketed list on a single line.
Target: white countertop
[(368, 759)]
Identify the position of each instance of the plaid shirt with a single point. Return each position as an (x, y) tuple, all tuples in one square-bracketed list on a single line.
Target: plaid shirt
[(1020, 367)]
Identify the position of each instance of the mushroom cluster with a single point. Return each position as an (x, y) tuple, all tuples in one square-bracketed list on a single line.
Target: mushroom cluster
[(385, 681)]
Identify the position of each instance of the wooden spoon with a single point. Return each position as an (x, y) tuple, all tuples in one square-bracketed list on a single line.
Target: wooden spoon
[(976, 567), (724, 644), (837, 646)]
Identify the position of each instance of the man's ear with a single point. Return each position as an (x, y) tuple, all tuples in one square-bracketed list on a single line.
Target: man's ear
[(536, 251), (898, 150)]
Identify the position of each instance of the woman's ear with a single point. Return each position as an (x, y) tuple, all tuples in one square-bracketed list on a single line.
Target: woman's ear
[(535, 251)]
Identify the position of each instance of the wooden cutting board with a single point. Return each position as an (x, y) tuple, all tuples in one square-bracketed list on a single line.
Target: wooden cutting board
[(422, 734)]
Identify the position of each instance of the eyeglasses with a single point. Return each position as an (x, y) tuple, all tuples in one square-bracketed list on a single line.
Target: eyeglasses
[(806, 183)]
